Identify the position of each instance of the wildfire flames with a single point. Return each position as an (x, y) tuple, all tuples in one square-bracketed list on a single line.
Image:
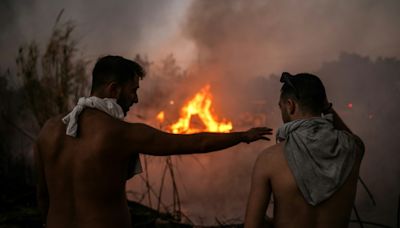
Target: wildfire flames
[(201, 106), (160, 117)]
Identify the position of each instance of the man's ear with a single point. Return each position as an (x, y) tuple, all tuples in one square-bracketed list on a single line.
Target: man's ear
[(113, 89), (291, 106)]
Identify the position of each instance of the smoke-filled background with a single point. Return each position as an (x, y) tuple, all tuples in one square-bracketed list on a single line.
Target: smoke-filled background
[(240, 48)]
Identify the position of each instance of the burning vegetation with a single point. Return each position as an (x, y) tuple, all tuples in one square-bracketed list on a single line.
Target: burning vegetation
[(200, 105)]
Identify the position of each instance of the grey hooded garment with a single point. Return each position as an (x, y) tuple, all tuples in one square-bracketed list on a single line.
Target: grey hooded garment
[(319, 156)]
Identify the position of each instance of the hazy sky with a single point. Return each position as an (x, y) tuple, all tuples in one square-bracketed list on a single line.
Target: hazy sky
[(103, 27), (261, 37), (252, 36)]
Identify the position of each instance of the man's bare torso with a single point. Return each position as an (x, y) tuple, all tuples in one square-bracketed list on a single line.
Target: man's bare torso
[(290, 208), (85, 176)]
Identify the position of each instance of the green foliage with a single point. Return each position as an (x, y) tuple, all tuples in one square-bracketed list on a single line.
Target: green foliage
[(54, 80)]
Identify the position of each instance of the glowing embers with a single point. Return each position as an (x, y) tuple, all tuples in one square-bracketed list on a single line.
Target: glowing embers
[(197, 116), (160, 117), (350, 105)]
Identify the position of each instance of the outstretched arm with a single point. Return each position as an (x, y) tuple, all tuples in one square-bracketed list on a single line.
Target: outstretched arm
[(259, 197), (148, 140)]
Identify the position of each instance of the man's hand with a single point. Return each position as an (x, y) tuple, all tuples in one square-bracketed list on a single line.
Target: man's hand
[(257, 133)]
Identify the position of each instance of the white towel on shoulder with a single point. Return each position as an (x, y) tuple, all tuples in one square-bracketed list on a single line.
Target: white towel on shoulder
[(107, 105)]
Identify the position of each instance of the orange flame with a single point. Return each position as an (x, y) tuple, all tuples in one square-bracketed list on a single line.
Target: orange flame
[(160, 116), (201, 106)]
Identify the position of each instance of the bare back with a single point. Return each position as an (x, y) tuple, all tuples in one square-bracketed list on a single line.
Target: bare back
[(81, 181), (291, 209), (85, 176)]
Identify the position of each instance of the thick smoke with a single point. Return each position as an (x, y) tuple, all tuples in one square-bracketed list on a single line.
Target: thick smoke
[(255, 37), (241, 45)]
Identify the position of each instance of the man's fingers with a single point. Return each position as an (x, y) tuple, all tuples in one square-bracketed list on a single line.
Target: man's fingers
[(266, 138), (263, 128), (265, 131), (258, 133)]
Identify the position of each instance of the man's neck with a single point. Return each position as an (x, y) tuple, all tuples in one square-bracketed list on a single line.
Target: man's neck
[(100, 95), (303, 116)]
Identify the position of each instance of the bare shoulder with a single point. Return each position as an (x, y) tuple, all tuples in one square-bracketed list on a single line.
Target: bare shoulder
[(270, 159), (51, 126), (271, 153)]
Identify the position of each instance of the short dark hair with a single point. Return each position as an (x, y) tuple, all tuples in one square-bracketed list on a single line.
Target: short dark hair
[(307, 89), (115, 68)]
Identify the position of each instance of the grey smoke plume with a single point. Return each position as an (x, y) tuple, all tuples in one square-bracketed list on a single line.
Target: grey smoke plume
[(261, 37), (243, 40)]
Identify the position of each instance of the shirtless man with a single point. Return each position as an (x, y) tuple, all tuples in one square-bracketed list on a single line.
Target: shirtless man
[(84, 159), (312, 172)]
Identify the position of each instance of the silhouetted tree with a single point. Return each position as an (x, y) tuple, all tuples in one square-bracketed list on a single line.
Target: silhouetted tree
[(52, 81)]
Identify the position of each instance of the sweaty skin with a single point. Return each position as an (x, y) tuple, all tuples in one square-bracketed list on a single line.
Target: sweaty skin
[(272, 175), (81, 181)]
